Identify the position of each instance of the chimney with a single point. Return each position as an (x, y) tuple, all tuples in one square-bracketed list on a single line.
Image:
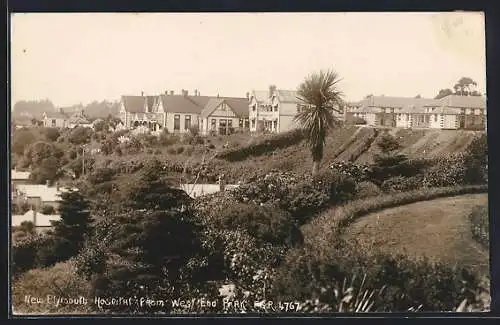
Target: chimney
[(217, 95), (47, 183), (248, 95), (166, 92), (142, 93), (171, 93), (196, 92)]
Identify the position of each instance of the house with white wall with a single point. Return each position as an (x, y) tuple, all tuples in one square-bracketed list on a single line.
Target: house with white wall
[(273, 111), (178, 113), (57, 119), (224, 115)]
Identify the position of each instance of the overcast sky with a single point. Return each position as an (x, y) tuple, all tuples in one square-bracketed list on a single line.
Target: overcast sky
[(72, 58)]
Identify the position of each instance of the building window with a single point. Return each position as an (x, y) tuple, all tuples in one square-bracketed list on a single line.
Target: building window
[(177, 122), (254, 107), (253, 123), (275, 125), (241, 123), (435, 117), (276, 107), (187, 122), (53, 122), (230, 123), (247, 123), (213, 124)]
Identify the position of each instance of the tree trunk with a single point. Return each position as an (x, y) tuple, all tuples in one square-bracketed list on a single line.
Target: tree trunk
[(315, 168)]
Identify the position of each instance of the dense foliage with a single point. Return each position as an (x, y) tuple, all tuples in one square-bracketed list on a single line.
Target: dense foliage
[(479, 219), (264, 146)]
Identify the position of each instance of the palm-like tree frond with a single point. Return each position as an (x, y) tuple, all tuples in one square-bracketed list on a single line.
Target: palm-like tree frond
[(320, 96)]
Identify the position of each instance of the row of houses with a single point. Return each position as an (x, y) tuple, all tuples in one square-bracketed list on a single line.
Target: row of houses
[(178, 113), (274, 111), (450, 112)]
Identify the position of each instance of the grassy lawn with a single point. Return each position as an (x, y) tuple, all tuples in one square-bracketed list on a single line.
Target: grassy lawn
[(439, 229)]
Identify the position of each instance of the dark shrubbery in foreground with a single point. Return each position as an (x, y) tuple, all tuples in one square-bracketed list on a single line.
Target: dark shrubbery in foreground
[(401, 283), (479, 219)]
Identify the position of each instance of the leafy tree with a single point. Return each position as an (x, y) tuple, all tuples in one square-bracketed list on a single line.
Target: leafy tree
[(73, 227), (40, 150), (476, 161), (443, 93), (153, 191), (80, 135), (21, 140), (27, 227), (51, 134), (388, 163), (321, 96), (464, 86), (47, 209)]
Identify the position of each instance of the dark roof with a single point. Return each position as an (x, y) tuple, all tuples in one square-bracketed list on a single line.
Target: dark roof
[(56, 115), (239, 106), (211, 106), (418, 105), (184, 104), (464, 101), (133, 104), (201, 101), (180, 104)]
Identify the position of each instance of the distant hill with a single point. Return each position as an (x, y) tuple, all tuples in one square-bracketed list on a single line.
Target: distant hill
[(35, 109)]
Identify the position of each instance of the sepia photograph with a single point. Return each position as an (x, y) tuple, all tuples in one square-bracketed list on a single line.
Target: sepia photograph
[(248, 163)]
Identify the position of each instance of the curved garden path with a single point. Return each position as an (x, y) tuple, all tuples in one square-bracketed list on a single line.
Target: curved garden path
[(438, 229)]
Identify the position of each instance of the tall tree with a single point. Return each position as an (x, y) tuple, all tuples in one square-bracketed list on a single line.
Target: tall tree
[(443, 93), (465, 87), (74, 226), (321, 96)]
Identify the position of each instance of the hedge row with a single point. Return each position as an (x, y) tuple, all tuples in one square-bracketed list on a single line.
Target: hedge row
[(334, 221), (263, 146)]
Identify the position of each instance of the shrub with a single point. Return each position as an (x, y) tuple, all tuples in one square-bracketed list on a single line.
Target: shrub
[(266, 223), (47, 209), (356, 120), (61, 281), (367, 189), (402, 184), (51, 134), (302, 196), (80, 135), (309, 274), (479, 219), (25, 254), (446, 171), (264, 146)]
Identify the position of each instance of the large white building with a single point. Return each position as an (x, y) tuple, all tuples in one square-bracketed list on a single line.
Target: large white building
[(450, 112)]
